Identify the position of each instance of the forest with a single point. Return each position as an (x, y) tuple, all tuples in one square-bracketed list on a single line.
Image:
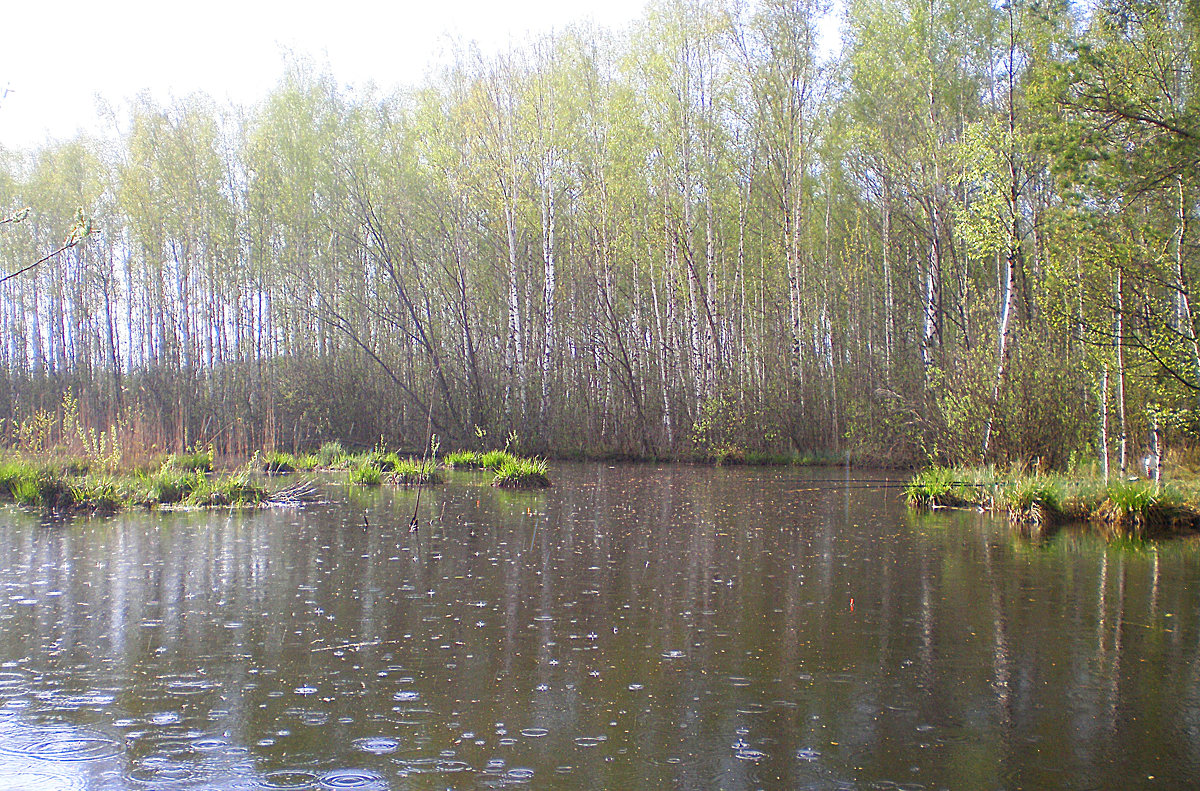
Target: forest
[(968, 235)]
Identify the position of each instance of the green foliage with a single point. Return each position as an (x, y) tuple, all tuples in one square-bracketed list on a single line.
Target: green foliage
[(413, 472), (718, 430), (169, 485), (278, 463), (365, 474), (238, 489), (495, 459), (196, 461), (517, 473), (330, 455), (461, 460), (306, 462), (782, 253)]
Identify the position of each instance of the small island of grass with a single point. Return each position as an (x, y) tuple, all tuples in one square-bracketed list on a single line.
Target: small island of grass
[(68, 485), (1119, 508)]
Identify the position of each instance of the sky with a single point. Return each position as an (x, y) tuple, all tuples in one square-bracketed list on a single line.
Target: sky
[(58, 56)]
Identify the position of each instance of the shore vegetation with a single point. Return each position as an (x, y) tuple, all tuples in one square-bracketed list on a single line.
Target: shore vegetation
[(1118, 508)]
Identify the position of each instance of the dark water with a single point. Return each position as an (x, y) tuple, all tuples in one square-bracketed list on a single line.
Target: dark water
[(633, 628)]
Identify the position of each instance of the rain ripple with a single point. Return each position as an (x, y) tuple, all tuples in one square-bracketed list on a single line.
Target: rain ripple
[(59, 744)]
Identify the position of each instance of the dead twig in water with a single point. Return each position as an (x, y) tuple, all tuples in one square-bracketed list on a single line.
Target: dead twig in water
[(349, 646)]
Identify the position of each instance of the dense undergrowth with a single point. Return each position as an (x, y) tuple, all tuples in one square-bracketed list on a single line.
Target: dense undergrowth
[(1117, 508)]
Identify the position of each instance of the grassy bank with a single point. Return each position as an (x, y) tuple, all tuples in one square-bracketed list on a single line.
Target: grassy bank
[(1117, 508)]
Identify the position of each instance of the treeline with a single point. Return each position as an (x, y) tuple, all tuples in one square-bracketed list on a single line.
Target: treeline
[(969, 236)]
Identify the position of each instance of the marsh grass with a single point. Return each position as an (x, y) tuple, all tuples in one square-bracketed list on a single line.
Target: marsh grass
[(102, 494), (519, 473), (495, 459), (1035, 500), (238, 489), (1139, 509), (330, 455), (461, 460), (58, 486), (1119, 509), (167, 486), (941, 487), (412, 472), (278, 463), (196, 461), (365, 473), (306, 462)]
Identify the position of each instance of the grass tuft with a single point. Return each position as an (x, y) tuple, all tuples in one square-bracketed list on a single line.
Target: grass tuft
[(278, 463), (236, 489), (412, 472), (330, 455), (196, 461), (495, 459), (461, 460), (522, 474), (365, 474)]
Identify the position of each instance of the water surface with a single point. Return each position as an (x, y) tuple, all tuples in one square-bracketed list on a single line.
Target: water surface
[(632, 627)]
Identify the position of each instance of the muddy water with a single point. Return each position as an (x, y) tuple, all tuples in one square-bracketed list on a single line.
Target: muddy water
[(633, 627)]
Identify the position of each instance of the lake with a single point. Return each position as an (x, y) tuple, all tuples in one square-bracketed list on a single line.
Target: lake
[(633, 627)]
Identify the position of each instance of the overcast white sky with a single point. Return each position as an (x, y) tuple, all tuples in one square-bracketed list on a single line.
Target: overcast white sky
[(56, 56)]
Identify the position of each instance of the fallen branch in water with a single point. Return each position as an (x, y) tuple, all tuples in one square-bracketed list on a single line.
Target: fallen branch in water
[(296, 494)]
